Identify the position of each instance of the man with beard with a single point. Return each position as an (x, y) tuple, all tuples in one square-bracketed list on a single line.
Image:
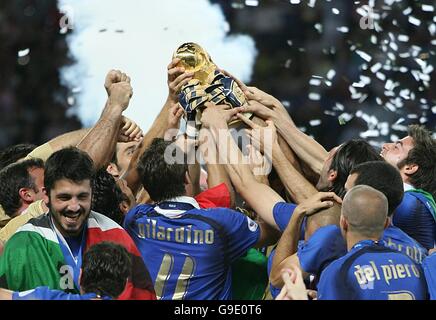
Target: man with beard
[(48, 251), (415, 157)]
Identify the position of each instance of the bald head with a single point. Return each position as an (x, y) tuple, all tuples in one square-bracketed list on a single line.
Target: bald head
[(365, 210)]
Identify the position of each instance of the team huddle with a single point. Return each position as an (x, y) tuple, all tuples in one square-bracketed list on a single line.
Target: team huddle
[(111, 212)]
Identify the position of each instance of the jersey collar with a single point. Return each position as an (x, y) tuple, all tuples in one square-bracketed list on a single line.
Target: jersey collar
[(177, 213)]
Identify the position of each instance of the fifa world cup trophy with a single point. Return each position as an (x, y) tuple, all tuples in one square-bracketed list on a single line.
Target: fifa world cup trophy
[(209, 84)]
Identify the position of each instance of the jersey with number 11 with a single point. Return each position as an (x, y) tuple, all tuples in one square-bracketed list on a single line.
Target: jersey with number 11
[(189, 256)]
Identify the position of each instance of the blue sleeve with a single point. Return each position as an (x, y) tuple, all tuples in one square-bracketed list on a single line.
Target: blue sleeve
[(242, 233), (282, 213), (429, 266), (328, 286), (45, 293), (323, 247), (415, 219)]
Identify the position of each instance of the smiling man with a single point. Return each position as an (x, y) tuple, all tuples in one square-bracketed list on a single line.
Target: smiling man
[(48, 251), (415, 157)]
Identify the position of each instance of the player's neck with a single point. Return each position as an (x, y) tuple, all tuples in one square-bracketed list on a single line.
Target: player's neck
[(353, 239)]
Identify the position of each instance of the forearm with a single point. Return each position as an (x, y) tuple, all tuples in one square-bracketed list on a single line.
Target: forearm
[(306, 148), (286, 247), (100, 141), (216, 172), (157, 130), (260, 198), (296, 185)]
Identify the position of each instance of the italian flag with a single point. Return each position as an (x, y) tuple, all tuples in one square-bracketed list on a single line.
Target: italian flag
[(33, 257)]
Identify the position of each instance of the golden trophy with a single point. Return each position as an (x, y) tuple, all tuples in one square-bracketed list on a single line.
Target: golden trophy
[(208, 84)]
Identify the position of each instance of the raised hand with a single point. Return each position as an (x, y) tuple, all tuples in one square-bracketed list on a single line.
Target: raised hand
[(174, 115), (253, 93), (120, 94), (129, 131), (262, 138), (317, 202), (177, 78), (294, 287), (218, 115), (115, 76)]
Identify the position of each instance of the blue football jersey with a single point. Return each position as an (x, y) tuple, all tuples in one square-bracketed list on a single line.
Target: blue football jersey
[(429, 266), (282, 213), (45, 293), (372, 271), (414, 216), (189, 255), (324, 246), (397, 239)]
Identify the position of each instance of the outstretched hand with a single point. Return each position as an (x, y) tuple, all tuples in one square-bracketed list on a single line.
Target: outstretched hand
[(218, 115), (177, 78), (129, 131), (318, 202), (294, 287)]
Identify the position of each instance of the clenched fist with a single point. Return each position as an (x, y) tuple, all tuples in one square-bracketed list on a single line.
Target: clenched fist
[(115, 76), (120, 94)]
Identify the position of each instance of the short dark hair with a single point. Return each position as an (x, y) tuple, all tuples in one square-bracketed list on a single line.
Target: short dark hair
[(14, 153), (383, 177), (349, 155), (106, 268), (161, 179), (12, 179), (69, 163), (423, 154), (107, 196)]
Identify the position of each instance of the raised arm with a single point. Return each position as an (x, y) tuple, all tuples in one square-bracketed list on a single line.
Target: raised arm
[(296, 185), (260, 198), (216, 171), (286, 250), (266, 106), (100, 141), (177, 78)]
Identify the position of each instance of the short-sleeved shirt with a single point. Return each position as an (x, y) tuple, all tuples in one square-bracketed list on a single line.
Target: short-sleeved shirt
[(327, 244), (372, 271), (414, 216), (429, 266), (188, 250)]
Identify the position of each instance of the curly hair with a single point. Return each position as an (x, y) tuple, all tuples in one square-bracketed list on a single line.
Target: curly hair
[(14, 153), (107, 196), (106, 268)]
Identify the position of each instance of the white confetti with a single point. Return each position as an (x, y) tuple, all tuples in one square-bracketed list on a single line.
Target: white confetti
[(403, 38), (311, 3), (364, 55), (433, 110), (381, 76), (369, 133), (23, 53), (339, 107), (289, 43), (414, 21), (315, 82), (295, 1), (375, 68), (315, 122), (314, 96), (427, 8), (407, 11), (412, 116), (331, 74), (342, 29), (252, 3), (335, 11), (318, 27)]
